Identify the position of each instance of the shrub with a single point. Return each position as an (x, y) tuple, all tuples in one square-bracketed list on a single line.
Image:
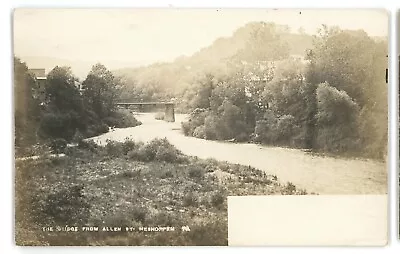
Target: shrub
[(285, 127), (336, 120), (210, 128), (196, 172), (186, 128), (88, 145), (166, 151), (58, 145), (231, 120), (157, 149), (190, 200), (166, 154), (102, 128), (334, 106), (96, 129), (148, 151), (122, 118), (129, 145), (197, 118), (274, 130), (162, 150), (140, 154), (199, 132), (114, 149), (217, 199), (289, 189), (56, 125)]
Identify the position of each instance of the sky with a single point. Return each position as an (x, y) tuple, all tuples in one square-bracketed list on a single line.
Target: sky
[(131, 37)]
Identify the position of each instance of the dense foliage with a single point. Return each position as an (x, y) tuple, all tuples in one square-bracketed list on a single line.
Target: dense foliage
[(65, 112), (333, 100), (26, 106)]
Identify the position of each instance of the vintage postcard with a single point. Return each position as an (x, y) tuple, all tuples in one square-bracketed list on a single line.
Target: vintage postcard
[(200, 127)]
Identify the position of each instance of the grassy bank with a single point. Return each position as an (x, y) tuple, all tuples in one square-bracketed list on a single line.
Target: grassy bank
[(132, 185)]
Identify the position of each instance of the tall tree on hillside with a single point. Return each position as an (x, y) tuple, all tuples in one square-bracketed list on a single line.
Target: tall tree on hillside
[(100, 90)]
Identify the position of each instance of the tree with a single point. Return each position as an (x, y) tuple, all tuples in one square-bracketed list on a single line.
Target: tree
[(61, 93), (100, 90), (27, 109), (350, 61), (64, 113), (203, 91), (336, 120), (232, 120), (292, 99), (264, 44), (285, 93), (353, 62)]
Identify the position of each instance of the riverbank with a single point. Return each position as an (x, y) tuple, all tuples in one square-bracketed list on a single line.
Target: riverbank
[(315, 173), (132, 185)]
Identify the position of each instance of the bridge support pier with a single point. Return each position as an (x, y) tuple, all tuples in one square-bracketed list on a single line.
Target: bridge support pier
[(169, 113)]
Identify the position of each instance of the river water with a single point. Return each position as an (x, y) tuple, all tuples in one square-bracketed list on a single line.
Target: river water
[(323, 175)]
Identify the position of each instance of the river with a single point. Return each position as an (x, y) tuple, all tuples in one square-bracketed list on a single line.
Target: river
[(323, 175)]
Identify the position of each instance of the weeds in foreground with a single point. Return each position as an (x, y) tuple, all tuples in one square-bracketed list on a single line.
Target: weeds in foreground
[(132, 184)]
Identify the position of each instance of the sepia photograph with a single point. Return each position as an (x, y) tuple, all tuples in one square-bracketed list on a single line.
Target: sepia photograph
[(200, 127)]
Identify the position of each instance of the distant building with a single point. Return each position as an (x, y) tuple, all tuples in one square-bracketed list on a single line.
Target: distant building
[(38, 72), (40, 77)]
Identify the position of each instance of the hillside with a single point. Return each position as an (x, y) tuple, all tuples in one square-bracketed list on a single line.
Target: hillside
[(213, 59)]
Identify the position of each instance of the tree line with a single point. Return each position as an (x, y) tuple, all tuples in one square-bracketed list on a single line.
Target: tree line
[(334, 100), (60, 110)]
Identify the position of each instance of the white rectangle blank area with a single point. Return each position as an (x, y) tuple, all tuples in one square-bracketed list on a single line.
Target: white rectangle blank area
[(312, 220)]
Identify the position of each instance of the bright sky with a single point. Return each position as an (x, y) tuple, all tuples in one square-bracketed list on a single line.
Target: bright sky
[(149, 35)]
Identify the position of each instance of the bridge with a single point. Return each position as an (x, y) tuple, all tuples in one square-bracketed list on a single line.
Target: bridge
[(169, 108)]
